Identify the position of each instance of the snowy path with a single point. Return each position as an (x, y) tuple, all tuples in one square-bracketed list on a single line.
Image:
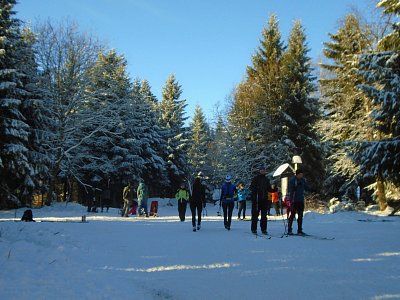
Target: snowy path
[(161, 258)]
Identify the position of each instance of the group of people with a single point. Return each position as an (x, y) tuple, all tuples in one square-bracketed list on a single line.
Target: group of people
[(260, 186), (262, 194), (142, 194)]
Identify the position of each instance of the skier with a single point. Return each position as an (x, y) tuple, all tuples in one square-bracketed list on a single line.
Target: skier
[(297, 186), (228, 190), (259, 189), (182, 196), (142, 196), (196, 202), (242, 197), (127, 196)]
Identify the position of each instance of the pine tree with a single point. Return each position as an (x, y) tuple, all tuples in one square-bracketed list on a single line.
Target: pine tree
[(15, 168), (300, 108), (150, 133), (256, 110), (172, 119), (199, 143), (266, 83), (345, 107), (109, 150), (38, 117), (380, 158)]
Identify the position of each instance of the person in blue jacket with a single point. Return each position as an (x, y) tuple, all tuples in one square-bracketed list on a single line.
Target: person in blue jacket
[(228, 191), (242, 193), (297, 186)]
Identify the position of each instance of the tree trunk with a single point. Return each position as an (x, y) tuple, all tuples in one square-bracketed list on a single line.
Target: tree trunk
[(381, 193)]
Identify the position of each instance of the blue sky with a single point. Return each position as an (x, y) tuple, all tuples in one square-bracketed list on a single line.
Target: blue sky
[(207, 44)]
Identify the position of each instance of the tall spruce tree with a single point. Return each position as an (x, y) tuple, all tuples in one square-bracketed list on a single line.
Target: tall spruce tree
[(256, 111), (199, 143), (380, 158), (172, 110), (345, 106), (110, 151), (300, 108), (15, 169), (36, 111)]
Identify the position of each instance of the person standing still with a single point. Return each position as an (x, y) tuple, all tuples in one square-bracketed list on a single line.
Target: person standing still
[(127, 196), (259, 188), (227, 192), (142, 196), (196, 202), (182, 196), (275, 199), (242, 197), (297, 186)]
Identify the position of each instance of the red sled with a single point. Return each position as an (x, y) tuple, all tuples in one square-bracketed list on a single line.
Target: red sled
[(154, 208), (133, 210)]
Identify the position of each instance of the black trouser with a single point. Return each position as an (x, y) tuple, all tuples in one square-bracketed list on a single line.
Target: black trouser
[(269, 205), (242, 207), (227, 208), (296, 207), (105, 203), (196, 207), (276, 206), (256, 209), (182, 210)]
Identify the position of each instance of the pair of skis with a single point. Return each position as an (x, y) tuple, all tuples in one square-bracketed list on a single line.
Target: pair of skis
[(310, 236)]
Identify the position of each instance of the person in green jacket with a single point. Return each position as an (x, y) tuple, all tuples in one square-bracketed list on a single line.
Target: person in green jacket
[(182, 196), (142, 195)]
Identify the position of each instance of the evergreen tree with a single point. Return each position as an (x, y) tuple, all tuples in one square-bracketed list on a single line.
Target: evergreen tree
[(199, 143), (345, 107), (172, 119), (257, 107), (110, 150), (380, 158), (15, 169), (150, 133), (300, 109), (38, 117)]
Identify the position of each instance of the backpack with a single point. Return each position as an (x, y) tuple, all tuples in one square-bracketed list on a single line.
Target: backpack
[(228, 190), (27, 216)]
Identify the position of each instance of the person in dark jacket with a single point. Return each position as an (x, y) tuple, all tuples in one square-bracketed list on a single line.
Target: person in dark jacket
[(297, 186), (196, 202), (105, 199), (259, 188), (228, 190)]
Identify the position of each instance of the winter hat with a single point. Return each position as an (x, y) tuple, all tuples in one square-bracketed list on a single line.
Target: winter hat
[(228, 178), (299, 171)]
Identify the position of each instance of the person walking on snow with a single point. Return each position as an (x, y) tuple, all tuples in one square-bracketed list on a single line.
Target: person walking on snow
[(242, 197), (127, 196), (142, 195), (228, 190), (259, 189), (297, 186), (196, 202), (182, 196)]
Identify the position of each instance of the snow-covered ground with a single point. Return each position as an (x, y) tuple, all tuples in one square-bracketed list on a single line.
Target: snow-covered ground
[(162, 258)]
